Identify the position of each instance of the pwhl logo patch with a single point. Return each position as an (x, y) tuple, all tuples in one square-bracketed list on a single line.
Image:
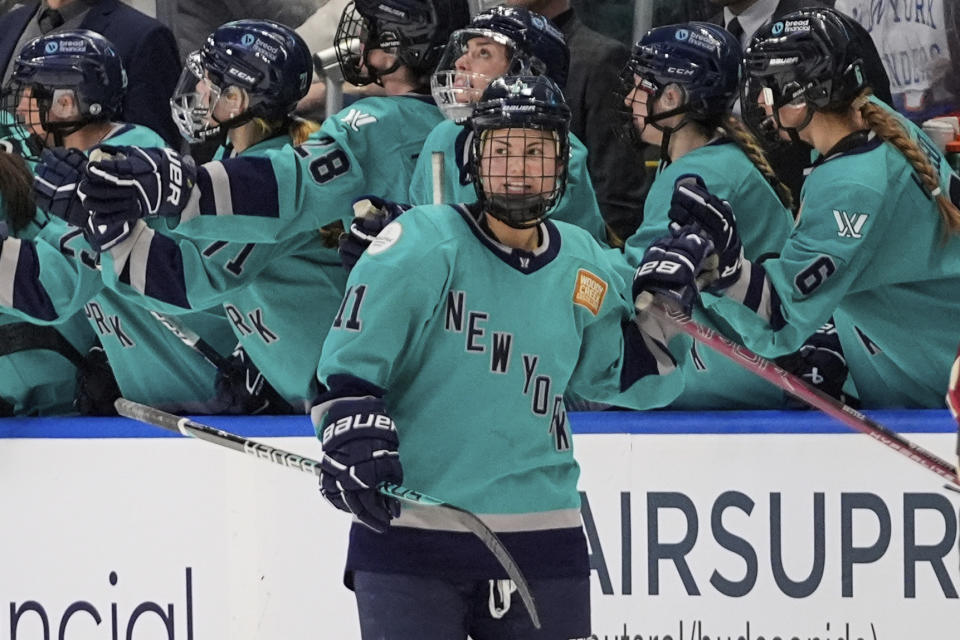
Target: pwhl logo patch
[(356, 119), (850, 225)]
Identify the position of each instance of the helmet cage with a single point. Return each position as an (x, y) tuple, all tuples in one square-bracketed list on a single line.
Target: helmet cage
[(456, 91), (542, 113)]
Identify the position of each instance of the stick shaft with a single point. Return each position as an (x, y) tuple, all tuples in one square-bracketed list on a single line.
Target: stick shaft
[(800, 390), (436, 165), (188, 427)]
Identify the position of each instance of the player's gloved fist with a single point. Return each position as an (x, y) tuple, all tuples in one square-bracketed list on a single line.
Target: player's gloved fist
[(820, 363), (137, 182), (676, 266), (242, 389), (371, 215), (104, 232), (96, 388), (55, 182), (692, 204), (359, 452)]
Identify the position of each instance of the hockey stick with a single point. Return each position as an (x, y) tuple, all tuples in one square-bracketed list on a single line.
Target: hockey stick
[(188, 427), (797, 387), (436, 166)]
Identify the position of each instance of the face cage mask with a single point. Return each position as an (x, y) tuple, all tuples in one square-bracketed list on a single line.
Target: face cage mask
[(191, 109), (355, 37), (524, 204), (456, 92)]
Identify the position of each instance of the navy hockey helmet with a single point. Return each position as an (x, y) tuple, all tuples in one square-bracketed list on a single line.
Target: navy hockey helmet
[(269, 62), (534, 46), (702, 58), (416, 31), (810, 57), (503, 121), (80, 65)]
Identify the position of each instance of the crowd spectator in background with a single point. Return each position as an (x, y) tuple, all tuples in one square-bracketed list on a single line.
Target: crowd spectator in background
[(193, 20), (146, 46), (619, 176)]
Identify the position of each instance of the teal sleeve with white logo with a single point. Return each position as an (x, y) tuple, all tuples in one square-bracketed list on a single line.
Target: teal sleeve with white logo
[(369, 148)]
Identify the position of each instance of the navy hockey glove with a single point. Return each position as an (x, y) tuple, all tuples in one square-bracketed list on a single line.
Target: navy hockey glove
[(692, 204), (820, 363), (676, 266), (359, 452), (57, 176), (126, 183), (242, 389), (96, 388), (371, 215)]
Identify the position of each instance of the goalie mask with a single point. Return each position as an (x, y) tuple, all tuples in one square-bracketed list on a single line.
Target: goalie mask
[(62, 82), (246, 69), (520, 149), (806, 59), (414, 31), (501, 41)]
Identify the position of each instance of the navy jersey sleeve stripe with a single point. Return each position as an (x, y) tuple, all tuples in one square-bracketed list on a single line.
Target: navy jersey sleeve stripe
[(29, 295), (639, 357), (239, 186), (165, 280)]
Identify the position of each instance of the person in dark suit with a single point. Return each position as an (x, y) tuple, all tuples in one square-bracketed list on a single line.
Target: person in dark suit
[(616, 169), (146, 46)]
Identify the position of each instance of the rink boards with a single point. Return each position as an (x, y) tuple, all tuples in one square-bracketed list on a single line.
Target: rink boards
[(737, 525)]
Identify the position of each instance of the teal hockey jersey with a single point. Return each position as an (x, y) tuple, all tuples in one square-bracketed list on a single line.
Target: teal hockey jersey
[(870, 245), (271, 197), (712, 381), (51, 278), (280, 298), (475, 345)]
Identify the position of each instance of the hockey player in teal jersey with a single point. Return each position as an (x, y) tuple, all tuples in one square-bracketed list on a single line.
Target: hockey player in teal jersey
[(460, 331), (498, 41), (65, 88), (38, 365), (369, 147), (268, 290), (680, 85), (876, 237), (269, 285)]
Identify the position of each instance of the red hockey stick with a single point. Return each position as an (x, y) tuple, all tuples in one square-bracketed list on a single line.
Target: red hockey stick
[(799, 389)]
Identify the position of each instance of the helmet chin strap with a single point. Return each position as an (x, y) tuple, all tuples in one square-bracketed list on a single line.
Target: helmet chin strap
[(667, 132), (794, 132)]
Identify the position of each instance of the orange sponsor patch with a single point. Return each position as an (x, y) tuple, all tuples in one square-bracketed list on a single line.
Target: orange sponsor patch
[(589, 291)]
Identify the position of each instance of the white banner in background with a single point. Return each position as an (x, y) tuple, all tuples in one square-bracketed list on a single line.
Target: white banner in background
[(912, 40), (693, 537)]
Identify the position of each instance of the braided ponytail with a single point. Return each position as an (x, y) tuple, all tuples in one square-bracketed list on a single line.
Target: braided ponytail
[(888, 128)]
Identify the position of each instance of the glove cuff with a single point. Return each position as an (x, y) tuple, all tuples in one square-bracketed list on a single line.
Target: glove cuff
[(347, 419)]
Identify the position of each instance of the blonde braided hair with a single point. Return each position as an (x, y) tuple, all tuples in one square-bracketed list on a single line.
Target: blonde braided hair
[(888, 128)]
